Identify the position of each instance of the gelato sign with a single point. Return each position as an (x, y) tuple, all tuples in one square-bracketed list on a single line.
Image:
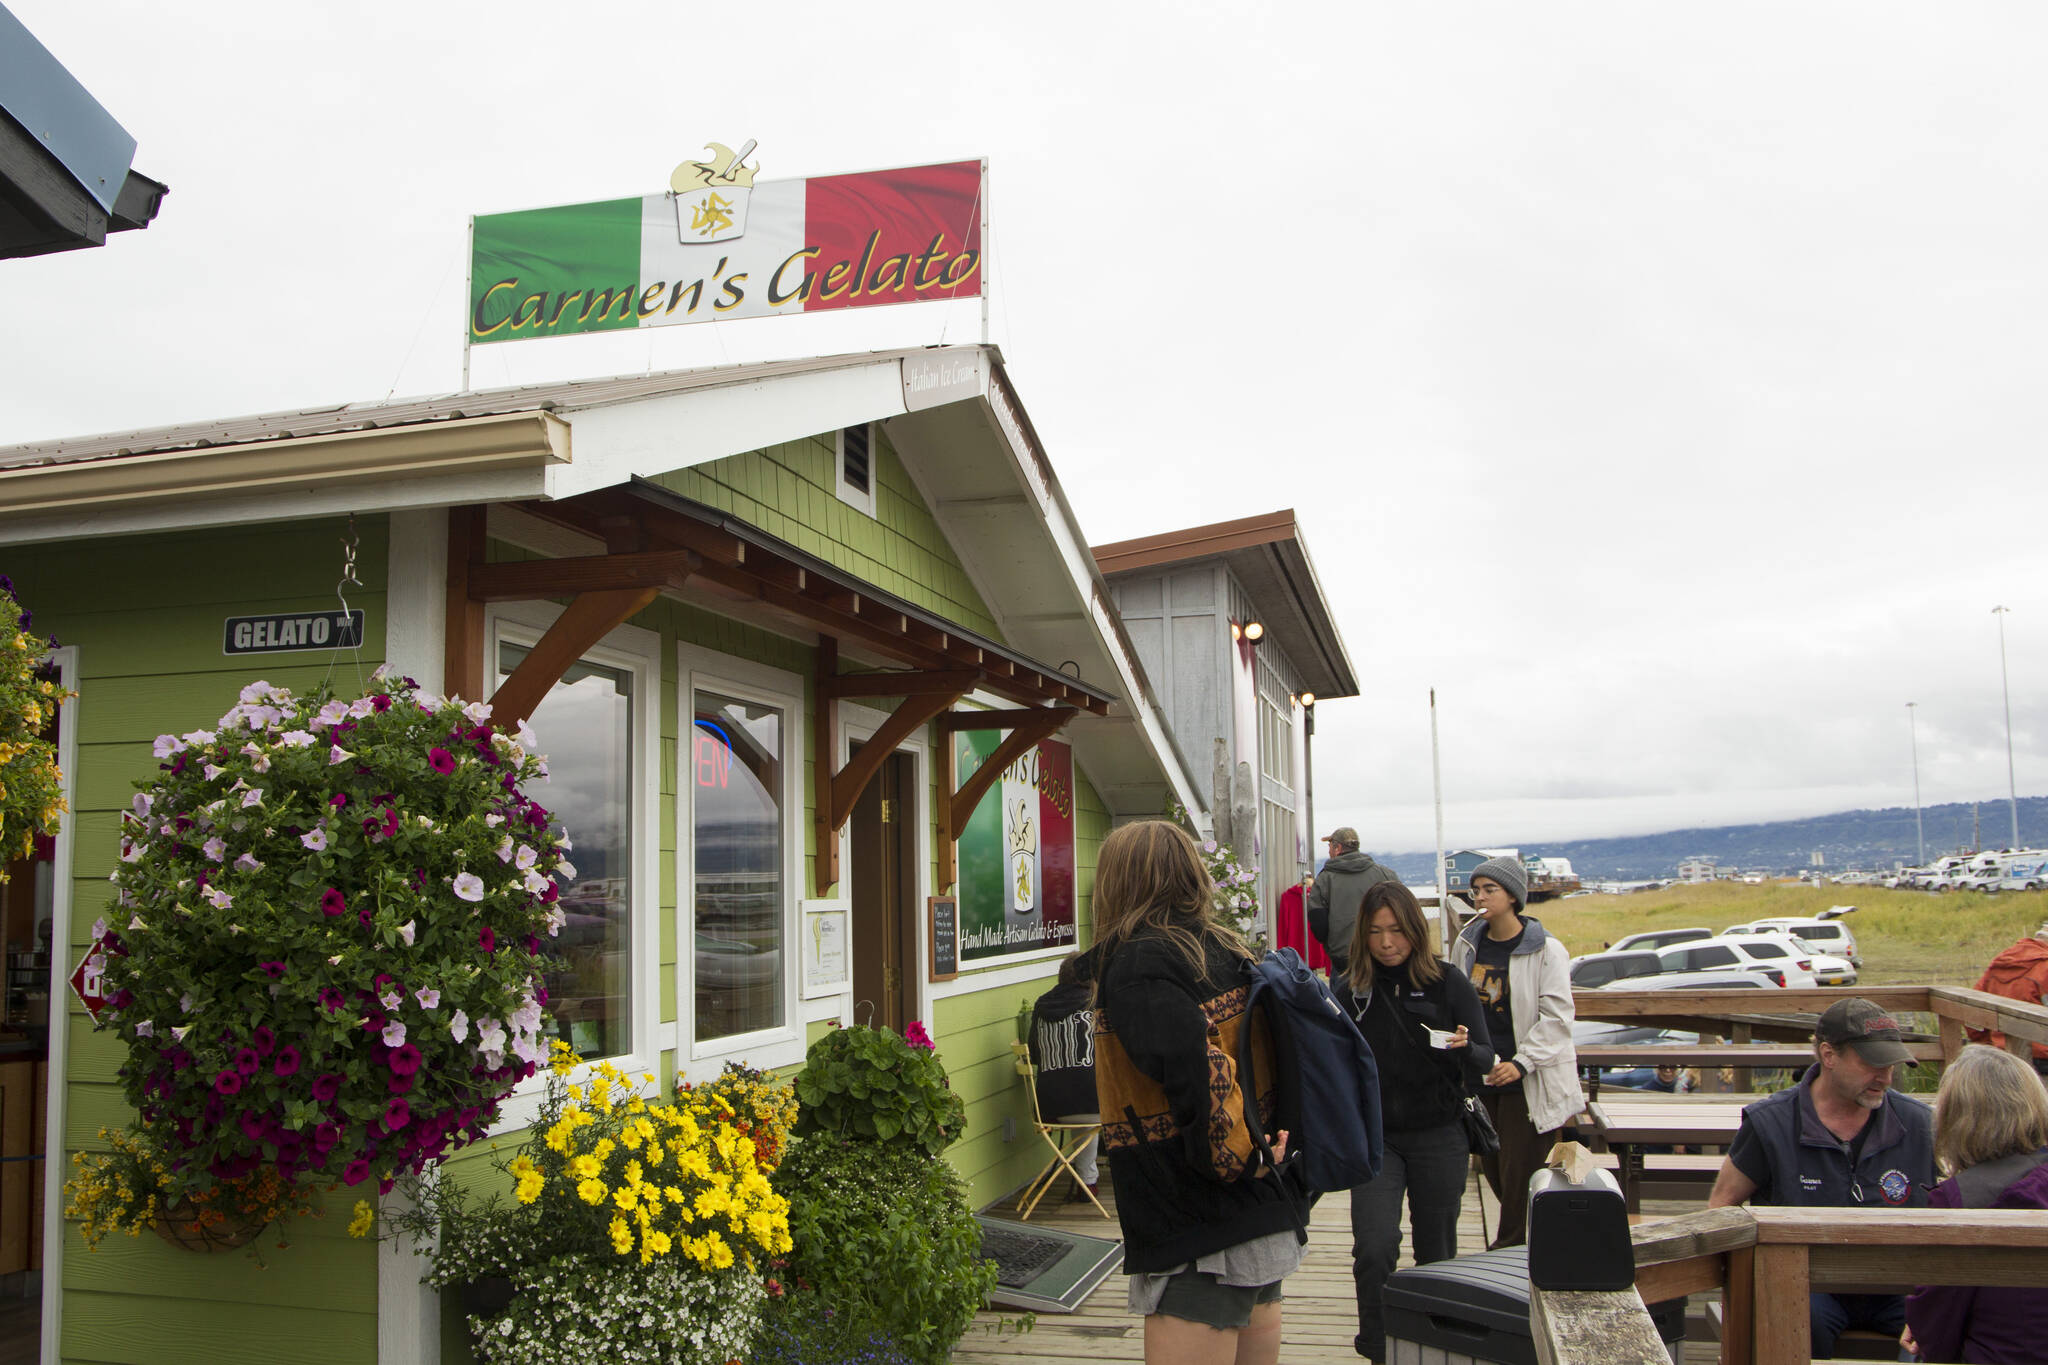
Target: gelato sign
[(1017, 853), (721, 244)]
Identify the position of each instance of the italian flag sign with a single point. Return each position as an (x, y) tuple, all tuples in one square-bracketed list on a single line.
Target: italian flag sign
[(721, 246), (1017, 853)]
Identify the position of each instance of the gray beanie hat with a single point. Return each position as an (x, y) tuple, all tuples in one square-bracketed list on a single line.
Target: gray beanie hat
[(1510, 873)]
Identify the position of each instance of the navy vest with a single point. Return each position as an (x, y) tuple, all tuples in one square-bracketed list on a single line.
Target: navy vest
[(1810, 1166)]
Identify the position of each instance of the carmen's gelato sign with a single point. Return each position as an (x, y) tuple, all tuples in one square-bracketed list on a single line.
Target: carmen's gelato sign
[(1017, 853), (722, 244)]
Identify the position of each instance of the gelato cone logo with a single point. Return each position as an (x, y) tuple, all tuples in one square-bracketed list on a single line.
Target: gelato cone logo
[(711, 196)]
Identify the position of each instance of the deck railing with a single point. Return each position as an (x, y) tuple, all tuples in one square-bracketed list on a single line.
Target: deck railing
[(1759, 1016)]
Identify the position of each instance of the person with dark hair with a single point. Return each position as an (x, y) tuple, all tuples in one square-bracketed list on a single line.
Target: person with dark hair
[(1523, 977), (1338, 891), (1841, 1138), (1210, 1230), (1428, 1035), (1062, 1047), (1991, 1139)]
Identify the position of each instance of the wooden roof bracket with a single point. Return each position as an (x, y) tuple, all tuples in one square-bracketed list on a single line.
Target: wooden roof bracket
[(926, 694), (1027, 726), (605, 591)]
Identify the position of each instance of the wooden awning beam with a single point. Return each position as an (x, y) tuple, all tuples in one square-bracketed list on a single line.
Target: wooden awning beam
[(585, 621), (1027, 727), (530, 579)]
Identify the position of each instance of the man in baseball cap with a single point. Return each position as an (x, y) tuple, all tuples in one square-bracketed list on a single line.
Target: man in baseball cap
[(1841, 1138), (1338, 892)]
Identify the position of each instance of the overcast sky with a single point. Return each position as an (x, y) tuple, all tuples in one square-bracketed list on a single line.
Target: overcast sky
[(1660, 383)]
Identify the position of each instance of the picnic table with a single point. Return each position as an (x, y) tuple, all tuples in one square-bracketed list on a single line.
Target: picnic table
[(1646, 1119)]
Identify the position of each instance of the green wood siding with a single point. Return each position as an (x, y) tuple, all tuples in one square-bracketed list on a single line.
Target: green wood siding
[(146, 614), (787, 491)]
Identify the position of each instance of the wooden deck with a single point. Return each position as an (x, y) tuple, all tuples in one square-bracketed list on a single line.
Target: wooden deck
[(1321, 1315)]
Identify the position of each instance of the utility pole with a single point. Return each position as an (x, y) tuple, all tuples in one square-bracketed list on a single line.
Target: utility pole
[(1919, 830), (2012, 791), (1443, 894)]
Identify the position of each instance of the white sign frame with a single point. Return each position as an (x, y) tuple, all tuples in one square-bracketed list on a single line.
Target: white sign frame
[(832, 972)]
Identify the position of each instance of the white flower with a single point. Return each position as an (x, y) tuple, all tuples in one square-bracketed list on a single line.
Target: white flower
[(252, 797), (212, 771), (179, 1033), (214, 849), (505, 850), (565, 869), (197, 737), (494, 821), (389, 1000), (145, 1029), (334, 961), (526, 859), (315, 840), (406, 931), (99, 927), (535, 883), (563, 845), (458, 1025), (185, 1002), (337, 754), (141, 804), (135, 924), (219, 899), (331, 714), (468, 886), (297, 739), (429, 998), (527, 739), (478, 712), (394, 1034), (166, 745)]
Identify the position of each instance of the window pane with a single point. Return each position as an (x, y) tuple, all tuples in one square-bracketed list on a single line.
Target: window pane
[(585, 725), (735, 779)]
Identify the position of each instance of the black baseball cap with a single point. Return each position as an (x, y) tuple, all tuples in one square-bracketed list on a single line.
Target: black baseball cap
[(1859, 1024)]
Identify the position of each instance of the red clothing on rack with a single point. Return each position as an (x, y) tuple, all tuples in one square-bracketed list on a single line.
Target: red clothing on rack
[(1294, 932)]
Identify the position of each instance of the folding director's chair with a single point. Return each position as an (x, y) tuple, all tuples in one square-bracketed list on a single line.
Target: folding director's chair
[(1066, 1140)]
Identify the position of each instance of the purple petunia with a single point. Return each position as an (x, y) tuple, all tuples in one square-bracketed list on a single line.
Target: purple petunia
[(404, 1059), (287, 1063), (397, 1114), (273, 970), (263, 1039), (326, 1087), (440, 760), (356, 1172), (338, 800), (246, 1061), (487, 940), (331, 999), (228, 1083), (332, 902)]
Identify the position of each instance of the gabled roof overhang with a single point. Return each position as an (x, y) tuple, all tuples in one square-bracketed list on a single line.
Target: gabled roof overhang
[(971, 450)]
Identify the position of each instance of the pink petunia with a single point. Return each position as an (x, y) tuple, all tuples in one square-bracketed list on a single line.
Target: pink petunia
[(333, 903), (440, 760), (228, 1082)]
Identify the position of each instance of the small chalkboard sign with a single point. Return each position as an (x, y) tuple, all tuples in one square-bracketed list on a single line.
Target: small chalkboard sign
[(942, 915)]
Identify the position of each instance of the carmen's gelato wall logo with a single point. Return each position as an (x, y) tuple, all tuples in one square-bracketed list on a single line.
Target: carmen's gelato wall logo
[(711, 196), (722, 243)]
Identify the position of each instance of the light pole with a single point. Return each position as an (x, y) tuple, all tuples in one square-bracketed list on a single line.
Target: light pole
[(2012, 791), (1919, 830)]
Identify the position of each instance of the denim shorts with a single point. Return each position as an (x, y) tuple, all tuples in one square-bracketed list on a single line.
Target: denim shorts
[(1198, 1296)]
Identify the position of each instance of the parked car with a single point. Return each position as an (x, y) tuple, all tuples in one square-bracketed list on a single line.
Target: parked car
[(1978, 879), (1828, 936), (1758, 952), (1598, 969), (1660, 938), (1714, 979)]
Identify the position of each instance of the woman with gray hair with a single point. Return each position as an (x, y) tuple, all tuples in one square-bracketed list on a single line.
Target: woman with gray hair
[(1991, 1136)]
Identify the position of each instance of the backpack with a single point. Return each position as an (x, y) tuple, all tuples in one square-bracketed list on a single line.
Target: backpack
[(1328, 1085)]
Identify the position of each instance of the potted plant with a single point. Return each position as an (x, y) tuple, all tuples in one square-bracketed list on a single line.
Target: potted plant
[(326, 953), (637, 1230)]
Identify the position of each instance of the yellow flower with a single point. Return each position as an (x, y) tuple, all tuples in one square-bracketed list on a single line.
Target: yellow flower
[(529, 1188), (592, 1191), (585, 1167), (659, 1242), (625, 1198), (622, 1236), (365, 1216)]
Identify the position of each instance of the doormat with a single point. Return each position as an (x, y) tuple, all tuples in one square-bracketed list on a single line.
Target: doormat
[(1042, 1269)]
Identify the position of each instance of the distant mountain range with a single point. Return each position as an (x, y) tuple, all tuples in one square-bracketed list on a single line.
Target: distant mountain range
[(1867, 840)]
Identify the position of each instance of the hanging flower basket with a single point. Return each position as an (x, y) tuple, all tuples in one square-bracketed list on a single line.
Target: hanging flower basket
[(326, 955), (194, 1229)]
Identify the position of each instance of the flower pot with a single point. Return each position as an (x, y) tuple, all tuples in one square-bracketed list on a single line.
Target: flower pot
[(182, 1226), (487, 1295)]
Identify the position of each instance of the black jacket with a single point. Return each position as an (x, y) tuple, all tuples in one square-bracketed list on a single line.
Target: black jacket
[(1188, 1179), (1063, 1046), (1334, 900), (1420, 1086)]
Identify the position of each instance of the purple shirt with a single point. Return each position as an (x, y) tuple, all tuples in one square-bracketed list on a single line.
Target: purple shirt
[(1979, 1325)]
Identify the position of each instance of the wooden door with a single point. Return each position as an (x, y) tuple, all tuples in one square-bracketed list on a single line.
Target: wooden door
[(882, 878)]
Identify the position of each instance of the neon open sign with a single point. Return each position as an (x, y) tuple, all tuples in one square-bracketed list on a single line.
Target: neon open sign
[(711, 756)]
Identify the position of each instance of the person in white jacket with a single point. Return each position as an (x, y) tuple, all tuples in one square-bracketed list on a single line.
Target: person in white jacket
[(1523, 978)]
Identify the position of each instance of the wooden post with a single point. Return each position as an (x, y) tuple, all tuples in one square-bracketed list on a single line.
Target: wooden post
[(1781, 1317), (1953, 1039), (1738, 1308), (942, 810), (462, 668)]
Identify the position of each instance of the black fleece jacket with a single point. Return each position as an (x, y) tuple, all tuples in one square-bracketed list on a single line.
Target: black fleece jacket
[(1188, 1180), (1420, 1086)]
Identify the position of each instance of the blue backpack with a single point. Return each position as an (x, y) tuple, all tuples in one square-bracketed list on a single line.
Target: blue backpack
[(1328, 1084)]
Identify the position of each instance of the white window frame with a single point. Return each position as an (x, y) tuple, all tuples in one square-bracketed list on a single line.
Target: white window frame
[(848, 494), (55, 1169), (637, 651), (700, 669)]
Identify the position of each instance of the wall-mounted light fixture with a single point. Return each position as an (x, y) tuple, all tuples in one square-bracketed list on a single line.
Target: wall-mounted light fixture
[(1254, 631), (1308, 699)]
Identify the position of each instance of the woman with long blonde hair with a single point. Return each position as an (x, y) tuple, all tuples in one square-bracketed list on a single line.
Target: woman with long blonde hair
[(1209, 1230)]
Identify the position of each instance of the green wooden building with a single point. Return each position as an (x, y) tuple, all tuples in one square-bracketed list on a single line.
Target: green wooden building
[(808, 644)]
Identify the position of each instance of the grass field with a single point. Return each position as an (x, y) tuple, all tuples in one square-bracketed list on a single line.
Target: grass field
[(1907, 938)]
